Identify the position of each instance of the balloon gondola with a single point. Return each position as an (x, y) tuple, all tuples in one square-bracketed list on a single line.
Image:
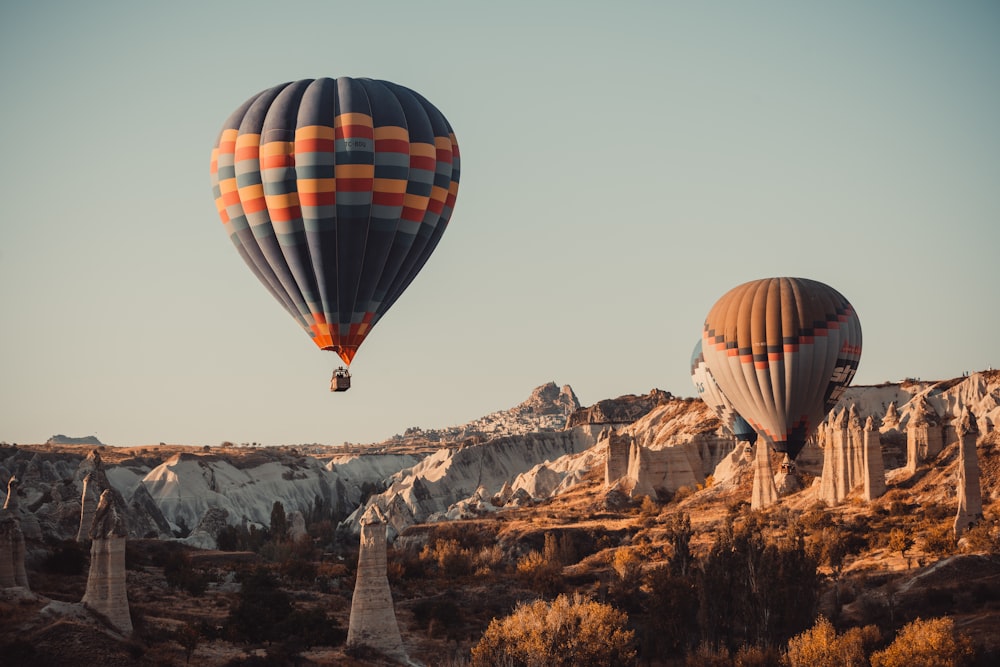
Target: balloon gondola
[(335, 192)]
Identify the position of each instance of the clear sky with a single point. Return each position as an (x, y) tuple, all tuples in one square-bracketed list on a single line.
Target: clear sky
[(623, 165)]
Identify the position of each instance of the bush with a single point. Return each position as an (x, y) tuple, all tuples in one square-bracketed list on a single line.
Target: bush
[(821, 646), (930, 643), (564, 633)]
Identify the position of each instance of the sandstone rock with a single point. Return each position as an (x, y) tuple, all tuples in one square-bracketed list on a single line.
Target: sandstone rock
[(874, 477), (297, 527), (621, 410), (12, 572), (144, 518), (616, 461), (764, 493), (373, 619), (11, 504), (970, 496), (655, 471), (924, 435), (106, 593), (206, 533)]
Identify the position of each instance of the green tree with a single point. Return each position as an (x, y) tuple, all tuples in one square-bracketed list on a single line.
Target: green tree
[(563, 633), (930, 643)]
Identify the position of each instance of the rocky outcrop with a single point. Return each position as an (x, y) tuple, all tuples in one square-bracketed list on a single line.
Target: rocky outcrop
[(874, 469), (616, 461), (447, 477), (764, 493), (621, 410), (106, 593), (12, 572), (373, 618), (297, 527), (95, 482), (206, 533), (656, 472), (144, 518), (843, 440), (970, 495), (924, 436), (11, 504), (61, 439)]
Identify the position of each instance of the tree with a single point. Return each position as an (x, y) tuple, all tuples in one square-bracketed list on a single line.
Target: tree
[(930, 643), (756, 591), (564, 633), (279, 522), (821, 646), (899, 540)]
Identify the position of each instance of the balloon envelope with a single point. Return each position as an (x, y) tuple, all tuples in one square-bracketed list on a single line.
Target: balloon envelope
[(335, 192), (782, 350), (708, 390)]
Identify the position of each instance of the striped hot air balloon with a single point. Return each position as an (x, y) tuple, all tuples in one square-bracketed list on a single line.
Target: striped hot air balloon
[(782, 350), (335, 192), (708, 390)]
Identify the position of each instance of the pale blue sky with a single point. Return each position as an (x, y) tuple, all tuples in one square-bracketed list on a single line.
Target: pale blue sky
[(623, 166)]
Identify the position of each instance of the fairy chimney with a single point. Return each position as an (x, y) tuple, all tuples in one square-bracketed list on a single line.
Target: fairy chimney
[(373, 619), (10, 504), (95, 482), (764, 493), (835, 481), (924, 436), (874, 477), (12, 571), (616, 461), (106, 592), (970, 496)]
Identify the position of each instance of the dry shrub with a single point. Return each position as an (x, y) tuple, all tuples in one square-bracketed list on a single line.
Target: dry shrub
[(821, 646), (566, 632), (930, 643)]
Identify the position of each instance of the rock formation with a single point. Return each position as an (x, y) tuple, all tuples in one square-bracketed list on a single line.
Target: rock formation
[(297, 527), (95, 483), (106, 592), (10, 504), (616, 463), (970, 496), (874, 477), (12, 571), (924, 436), (373, 619), (206, 534), (621, 410), (764, 493), (843, 455)]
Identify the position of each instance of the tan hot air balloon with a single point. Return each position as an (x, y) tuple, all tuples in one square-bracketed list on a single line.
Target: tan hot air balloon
[(782, 350)]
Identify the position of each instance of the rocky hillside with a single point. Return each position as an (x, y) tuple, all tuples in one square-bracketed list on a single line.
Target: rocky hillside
[(536, 449)]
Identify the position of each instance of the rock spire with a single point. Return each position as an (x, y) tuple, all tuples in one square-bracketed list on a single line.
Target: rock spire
[(874, 477), (12, 571), (106, 592), (765, 493), (970, 495), (373, 618)]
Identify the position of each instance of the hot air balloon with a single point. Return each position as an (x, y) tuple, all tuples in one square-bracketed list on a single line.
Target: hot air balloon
[(335, 192), (708, 390), (782, 350)]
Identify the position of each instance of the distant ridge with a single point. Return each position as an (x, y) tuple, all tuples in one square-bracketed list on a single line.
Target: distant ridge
[(67, 440)]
